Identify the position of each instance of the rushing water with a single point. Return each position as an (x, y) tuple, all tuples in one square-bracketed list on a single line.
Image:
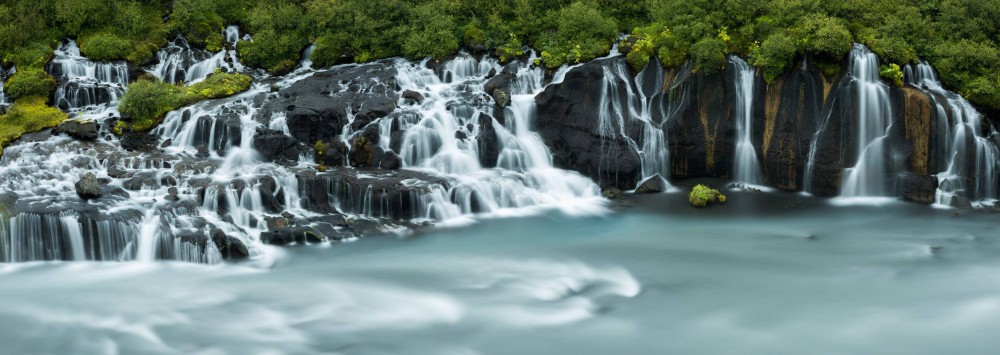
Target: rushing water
[(874, 115), (747, 165), (807, 278), (85, 86), (179, 63), (969, 147)]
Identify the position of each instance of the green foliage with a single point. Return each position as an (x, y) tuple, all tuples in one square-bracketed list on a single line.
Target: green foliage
[(31, 81), (511, 49), (582, 33), (28, 114), (329, 49), (431, 33), (147, 101), (702, 195), (774, 55), (657, 41), (891, 73), (105, 47), (709, 55), (826, 36)]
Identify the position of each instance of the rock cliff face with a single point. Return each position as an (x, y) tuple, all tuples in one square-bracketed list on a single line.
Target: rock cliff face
[(811, 132)]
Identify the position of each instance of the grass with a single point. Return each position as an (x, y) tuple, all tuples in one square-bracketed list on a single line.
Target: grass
[(27, 115)]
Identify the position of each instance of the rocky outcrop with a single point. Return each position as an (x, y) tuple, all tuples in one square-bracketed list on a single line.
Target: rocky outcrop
[(85, 130), (792, 107), (569, 122), (276, 146), (701, 130), (318, 108)]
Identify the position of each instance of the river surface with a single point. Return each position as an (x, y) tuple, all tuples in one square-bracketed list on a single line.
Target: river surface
[(799, 276)]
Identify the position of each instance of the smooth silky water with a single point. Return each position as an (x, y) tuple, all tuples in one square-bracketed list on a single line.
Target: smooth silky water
[(800, 277)]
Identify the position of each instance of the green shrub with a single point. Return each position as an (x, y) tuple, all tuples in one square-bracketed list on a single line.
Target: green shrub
[(34, 55), (30, 81), (826, 36), (581, 34), (984, 90), (511, 49), (774, 55), (655, 40), (146, 101), (329, 50), (431, 33), (892, 73), (702, 195), (709, 55), (472, 36), (105, 47)]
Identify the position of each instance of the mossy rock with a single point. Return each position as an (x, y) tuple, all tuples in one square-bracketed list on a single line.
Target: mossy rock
[(28, 115), (702, 195)]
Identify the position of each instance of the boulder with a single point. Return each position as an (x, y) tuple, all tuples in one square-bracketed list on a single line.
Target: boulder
[(652, 185), (88, 187), (230, 247), (85, 130), (413, 97)]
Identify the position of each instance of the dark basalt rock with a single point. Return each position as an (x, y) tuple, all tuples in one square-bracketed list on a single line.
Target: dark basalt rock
[(375, 192), (568, 122), (277, 147), (333, 154), (413, 97), (488, 141), (317, 107), (230, 247), (138, 141), (793, 106), (652, 185), (88, 187), (917, 188), (79, 129)]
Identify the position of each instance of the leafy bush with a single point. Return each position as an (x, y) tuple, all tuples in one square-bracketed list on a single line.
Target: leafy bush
[(582, 33), (654, 40), (329, 50), (105, 47), (431, 33), (826, 36), (892, 73), (774, 55), (31, 81), (709, 55)]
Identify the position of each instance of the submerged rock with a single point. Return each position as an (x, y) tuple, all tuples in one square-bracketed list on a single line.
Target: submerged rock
[(88, 187), (917, 188)]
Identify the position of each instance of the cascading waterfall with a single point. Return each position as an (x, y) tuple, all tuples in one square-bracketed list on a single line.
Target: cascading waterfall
[(971, 158), (868, 177), (747, 165), (178, 62), (615, 117), (84, 85), (443, 133), (4, 74)]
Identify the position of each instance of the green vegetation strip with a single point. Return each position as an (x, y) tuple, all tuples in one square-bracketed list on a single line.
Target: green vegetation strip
[(148, 100), (27, 115)]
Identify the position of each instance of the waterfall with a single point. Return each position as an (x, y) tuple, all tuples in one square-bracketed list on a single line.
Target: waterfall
[(747, 165), (4, 75), (868, 177), (84, 85), (179, 63), (615, 117), (447, 133), (971, 159)]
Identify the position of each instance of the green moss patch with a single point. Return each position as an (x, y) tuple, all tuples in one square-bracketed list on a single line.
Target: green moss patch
[(27, 115), (702, 195)]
